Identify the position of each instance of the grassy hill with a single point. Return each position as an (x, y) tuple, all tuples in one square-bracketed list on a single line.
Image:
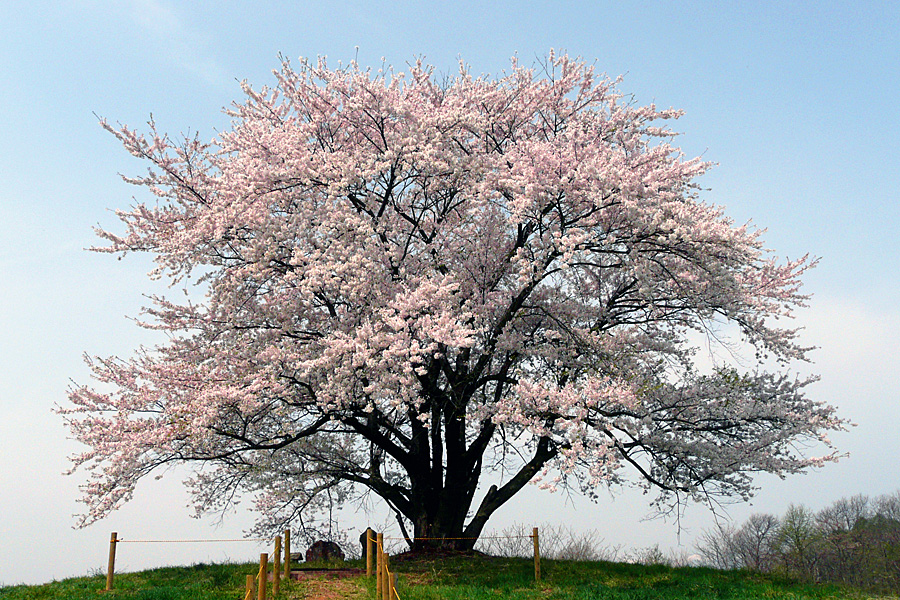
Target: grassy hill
[(474, 578)]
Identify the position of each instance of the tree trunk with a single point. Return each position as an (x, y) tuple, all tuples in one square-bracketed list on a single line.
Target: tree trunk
[(439, 519), (439, 512)]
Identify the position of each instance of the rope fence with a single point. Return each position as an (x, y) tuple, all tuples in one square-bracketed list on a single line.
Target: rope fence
[(251, 583), (386, 580), (377, 560), (258, 584)]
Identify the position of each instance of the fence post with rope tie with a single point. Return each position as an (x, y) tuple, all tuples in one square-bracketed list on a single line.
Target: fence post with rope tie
[(386, 580)]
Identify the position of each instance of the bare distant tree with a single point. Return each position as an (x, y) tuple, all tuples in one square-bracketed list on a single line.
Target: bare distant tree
[(756, 542), (717, 547)]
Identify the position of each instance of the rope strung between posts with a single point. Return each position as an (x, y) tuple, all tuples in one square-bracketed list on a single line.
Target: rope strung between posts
[(259, 581), (126, 541), (483, 537)]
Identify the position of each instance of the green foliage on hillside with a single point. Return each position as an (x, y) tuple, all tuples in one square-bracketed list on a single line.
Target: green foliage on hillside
[(854, 542)]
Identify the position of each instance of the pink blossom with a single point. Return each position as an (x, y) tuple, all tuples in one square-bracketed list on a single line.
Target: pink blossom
[(408, 282)]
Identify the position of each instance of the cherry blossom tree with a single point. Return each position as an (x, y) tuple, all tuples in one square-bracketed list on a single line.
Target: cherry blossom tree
[(408, 284)]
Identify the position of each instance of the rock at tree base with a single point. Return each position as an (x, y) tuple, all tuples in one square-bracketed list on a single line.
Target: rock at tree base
[(322, 550)]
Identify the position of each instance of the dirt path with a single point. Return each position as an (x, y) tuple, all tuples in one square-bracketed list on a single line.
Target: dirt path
[(333, 589), (329, 585)]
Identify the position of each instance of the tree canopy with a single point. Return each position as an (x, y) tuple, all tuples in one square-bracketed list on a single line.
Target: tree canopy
[(409, 282)]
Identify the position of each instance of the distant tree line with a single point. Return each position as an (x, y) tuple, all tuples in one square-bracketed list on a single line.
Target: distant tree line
[(855, 541)]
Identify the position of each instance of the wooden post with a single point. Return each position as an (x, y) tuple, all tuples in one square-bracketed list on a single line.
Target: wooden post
[(111, 565), (394, 580), (370, 551), (276, 567), (248, 594), (287, 553), (263, 575), (379, 567), (386, 578), (537, 554)]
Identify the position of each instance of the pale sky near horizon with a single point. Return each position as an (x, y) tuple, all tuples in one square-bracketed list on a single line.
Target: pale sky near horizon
[(795, 101)]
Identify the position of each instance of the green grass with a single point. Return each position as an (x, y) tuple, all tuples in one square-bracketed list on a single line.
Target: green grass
[(501, 578), (198, 582), (469, 578)]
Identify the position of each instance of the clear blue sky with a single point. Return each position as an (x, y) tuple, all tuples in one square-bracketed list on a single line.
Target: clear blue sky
[(796, 102)]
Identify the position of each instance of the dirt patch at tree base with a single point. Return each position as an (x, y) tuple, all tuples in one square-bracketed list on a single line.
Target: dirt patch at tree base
[(334, 586)]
